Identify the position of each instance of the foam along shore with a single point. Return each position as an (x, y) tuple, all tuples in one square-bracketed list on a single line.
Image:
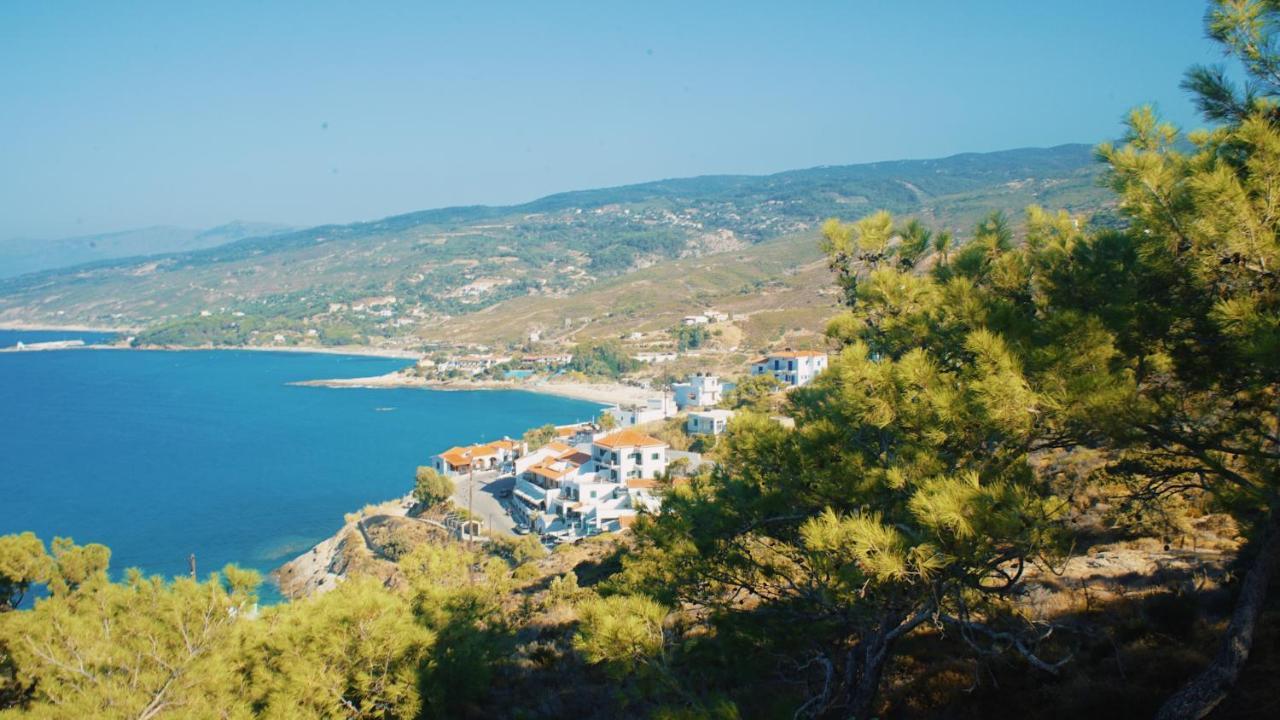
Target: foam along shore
[(603, 393), (47, 345)]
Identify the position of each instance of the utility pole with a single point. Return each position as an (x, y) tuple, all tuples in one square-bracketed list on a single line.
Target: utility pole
[(471, 491)]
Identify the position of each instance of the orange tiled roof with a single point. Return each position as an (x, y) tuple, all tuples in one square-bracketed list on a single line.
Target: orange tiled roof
[(549, 472), (464, 455), (641, 484), (557, 447), (629, 438), (456, 456)]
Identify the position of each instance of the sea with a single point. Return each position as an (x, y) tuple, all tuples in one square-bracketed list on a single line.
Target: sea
[(164, 454)]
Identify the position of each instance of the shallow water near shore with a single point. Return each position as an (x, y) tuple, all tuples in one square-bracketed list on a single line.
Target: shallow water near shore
[(163, 454)]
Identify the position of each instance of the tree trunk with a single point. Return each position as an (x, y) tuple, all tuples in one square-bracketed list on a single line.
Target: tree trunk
[(867, 680), (1203, 693)]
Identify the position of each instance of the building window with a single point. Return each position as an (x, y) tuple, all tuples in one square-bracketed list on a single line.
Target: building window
[(654, 457)]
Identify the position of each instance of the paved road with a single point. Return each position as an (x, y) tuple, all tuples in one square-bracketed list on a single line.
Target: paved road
[(485, 500)]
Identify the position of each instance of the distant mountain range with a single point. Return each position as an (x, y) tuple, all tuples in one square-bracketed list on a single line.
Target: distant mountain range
[(21, 256), (465, 272)]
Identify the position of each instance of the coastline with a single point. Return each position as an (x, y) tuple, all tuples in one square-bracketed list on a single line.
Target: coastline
[(349, 350), (603, 393), (41, 327), (358, 350)]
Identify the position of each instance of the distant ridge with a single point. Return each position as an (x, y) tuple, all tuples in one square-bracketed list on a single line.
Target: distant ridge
[(26, 255), (448, 262)]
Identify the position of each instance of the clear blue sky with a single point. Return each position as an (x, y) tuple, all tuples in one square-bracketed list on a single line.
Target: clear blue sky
[(116, 115)]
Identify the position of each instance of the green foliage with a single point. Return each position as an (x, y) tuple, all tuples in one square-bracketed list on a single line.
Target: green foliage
[(756, 393), (517, 550), (23, 563), (134, 649), (690, 337), (457, 594), (430, 487), (602, 358), (75, 565), (356, 652), (539, 436), (620, 631)]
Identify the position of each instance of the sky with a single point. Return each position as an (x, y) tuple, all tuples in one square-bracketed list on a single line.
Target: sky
[(122, 115)]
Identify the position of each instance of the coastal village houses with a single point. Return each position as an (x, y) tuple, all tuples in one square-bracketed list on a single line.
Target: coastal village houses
[(488, 456), (473, 364), (791, 367), (589, 489)]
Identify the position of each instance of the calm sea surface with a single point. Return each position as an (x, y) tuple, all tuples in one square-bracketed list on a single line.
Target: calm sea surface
[(163, 454)]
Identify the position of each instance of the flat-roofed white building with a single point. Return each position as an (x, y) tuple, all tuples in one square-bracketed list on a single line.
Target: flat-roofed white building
[(791, 367), (700, 390), (708, 422)]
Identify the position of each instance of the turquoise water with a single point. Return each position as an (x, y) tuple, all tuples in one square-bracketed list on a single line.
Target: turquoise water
[(164, 454)]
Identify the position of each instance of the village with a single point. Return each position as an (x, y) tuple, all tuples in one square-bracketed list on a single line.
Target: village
[(574, 481)]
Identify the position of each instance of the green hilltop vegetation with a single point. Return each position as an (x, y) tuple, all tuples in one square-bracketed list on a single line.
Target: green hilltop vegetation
[(445, 265)]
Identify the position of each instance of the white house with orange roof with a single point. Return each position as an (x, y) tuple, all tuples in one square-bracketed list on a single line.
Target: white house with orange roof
[(629, 454), (791, 367), (488, 456), (571, 492)]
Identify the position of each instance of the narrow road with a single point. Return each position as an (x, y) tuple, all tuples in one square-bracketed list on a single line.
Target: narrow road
[(485, 501)]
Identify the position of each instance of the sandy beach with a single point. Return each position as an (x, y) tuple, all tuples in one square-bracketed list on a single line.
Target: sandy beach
[(603, 393)]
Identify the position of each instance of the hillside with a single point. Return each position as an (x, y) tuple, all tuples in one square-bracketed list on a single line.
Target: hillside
[(24, 255), (424, 275)]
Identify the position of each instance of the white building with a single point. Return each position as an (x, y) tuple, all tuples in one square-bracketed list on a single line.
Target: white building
[(473, 364), (695, 320), (489, 456), (649, 358), (708, 422), (791, 367), (701, 390), (628, 453), (659, 408)]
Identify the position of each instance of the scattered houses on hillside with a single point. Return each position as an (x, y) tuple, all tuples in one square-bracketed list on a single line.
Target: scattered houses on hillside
[(791, 367), (649, 358)]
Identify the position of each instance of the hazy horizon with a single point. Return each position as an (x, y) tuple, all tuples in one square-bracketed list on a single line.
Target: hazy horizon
[(194, 117)]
